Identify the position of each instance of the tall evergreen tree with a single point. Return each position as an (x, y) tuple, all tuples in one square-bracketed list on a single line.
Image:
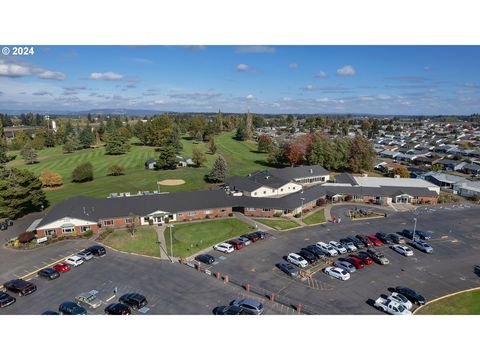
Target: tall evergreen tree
[(117, 143), (3, 148), (29, 154), (219, 170), (71, 144), (166, 157), (86, 137)]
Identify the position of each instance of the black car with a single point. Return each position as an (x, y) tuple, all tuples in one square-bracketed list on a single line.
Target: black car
[(357, 242), (49, 273), (316, 251), (71, 308), (97, 250), (260, 234), (205, 258), (288, 269), (363, 255), (411, 295), (424, 235), (228, 310), (383, 237), (20, 286), (134, 300), (305, 250), (409, 234), (117, 309), (50, 312), (6, 299), (307, 255)]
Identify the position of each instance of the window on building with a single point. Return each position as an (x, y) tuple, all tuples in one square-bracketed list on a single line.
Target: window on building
[(109, 222), (266, 210), (293, 188), (193, 213), (223, 210), (50, 232), (251, 209), (208, 212), (180, 214), (84, 228), (264, 192), (68, 229), (281, 189), (128, 221), (255, 193), (146, 218)]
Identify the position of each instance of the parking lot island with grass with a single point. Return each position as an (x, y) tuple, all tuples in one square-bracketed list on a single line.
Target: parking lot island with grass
[(279, 224), (143, 241), (464, 303), (318, 217)]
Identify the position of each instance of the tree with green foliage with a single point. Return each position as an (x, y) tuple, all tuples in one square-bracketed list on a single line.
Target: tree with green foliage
[(49, 138), (67, 131), (3, 148), (219, 122), (21, 138), (86, 137), (265, 143), (166, 157), (437, 167), (362, 154), (20, 193), (245, 128), (116, 170), (401, 171), (83, 173), (199, 137), (116, 143), (38, 142), (219, 171), (198, 156), (71, 144), (211, 146), (29, 154)]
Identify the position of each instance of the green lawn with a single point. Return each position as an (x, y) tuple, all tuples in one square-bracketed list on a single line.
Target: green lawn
[(315, 218), (191, 238), (467, 303), (281, 224), (145, 241), (241, 158)]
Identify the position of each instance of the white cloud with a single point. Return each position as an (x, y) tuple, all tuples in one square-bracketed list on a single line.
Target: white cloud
[(346, 70), (250, 97), (293, 66), (309, 88), (243, 67), (321, 74), (110, 76), (19, 69), (255, 49)]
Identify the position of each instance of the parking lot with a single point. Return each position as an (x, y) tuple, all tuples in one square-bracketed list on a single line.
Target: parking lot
[(448, 269)]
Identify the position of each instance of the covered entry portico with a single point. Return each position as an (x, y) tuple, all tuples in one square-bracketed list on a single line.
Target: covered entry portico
[(158, 217), (402, 199)]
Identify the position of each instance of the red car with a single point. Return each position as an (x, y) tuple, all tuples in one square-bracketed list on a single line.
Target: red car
[(367, 260), (253, 237), (62, 267), (237, 244), (365, 240), (358, 263), (376, 241)]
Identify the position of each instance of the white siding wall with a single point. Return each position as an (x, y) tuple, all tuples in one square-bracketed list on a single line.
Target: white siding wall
[(66, 220)]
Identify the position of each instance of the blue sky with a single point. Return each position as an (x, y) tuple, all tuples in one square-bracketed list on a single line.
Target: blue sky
[(265, 79)]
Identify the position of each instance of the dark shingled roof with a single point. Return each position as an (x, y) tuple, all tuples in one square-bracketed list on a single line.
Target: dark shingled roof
[(299, 172), (346, 178)]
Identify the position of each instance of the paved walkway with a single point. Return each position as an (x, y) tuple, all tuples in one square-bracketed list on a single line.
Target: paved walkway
[(163, 243), (252, 222)]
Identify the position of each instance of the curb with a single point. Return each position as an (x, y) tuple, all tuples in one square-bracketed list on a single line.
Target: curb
[(130, 253), (444, 297), (294, 228), (368, 218)]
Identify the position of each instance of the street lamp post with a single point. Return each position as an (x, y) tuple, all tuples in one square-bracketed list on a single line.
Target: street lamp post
[(301, 210), (158, 186), (171, 242), (414, 228)]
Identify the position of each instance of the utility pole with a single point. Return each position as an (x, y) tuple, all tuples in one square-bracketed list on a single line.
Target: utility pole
[(414, 228), (171, 242), (301, 210)]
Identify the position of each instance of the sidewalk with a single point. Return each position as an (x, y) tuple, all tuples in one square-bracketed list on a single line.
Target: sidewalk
[(248, 220), (163, 244)]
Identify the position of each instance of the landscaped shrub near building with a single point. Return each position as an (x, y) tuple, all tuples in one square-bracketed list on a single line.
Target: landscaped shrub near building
[(88, 233), (348, 198), (26, 237), (320, 202)]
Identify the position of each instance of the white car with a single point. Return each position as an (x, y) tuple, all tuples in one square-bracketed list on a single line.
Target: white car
[(402, 249), (391, 307), (328, 249), (296, 259), (401, 299), (337, 273), (74, 260), (350, 246), (224, 247), (339, 247)]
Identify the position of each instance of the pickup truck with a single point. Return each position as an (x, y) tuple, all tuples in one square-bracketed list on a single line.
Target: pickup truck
[(391, 307)]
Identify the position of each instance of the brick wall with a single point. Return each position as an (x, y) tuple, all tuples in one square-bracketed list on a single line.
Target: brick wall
[(258, 212), (202, 214)]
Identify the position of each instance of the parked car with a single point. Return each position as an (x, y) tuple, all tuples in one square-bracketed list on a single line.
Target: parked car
[(74, 261), (307, 255), (253, 237), (327, 249), (249, 306), (134, 300), (62, 267), (357, 262), (402, 299), (423, 246), (367, 260), (20, 286), (391, 307), (409, 234), (6, 299), (85, 255), (316, 250), (288, 269), (348, 244), (49, 273), (366, 241), (396, 238), (357, 242), (296, 259), (376, 241), (402, 249), (117, 309), (50, 312), (205, 258), (97, 250), (260, 234), (423, 235), (71, 308), (337, 273), (411, 295), (345, 265), (88, 299), (383, 237), (338, 246), (224, 247), (237, 244), (244, 240), (228, 310), (378, 257)]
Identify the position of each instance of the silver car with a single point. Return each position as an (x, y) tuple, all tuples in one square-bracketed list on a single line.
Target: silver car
[(85, 255), (345, 265), (249, 306), (88, 299), (423, 246)]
